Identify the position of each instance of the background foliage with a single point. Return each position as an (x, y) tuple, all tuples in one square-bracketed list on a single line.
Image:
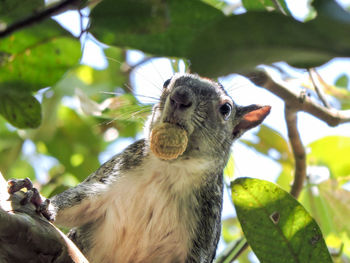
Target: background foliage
[(57, 141)]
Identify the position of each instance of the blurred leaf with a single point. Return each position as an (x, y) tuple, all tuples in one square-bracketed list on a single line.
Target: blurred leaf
[(286, 176), (316, 205), (230, 229), (78, 136), (20, 109), (330, 206), (96, 83), (127, 114), (57, 190), (10, 147), (10, 11), (229, 169), (63, 182), (234, 249), (21, 169), (140, 17), (239, 43), (216, 3), (342, 81), (269, 140), (276, 226), (338, 201), (263, 5), (331, 151), (167, 31)]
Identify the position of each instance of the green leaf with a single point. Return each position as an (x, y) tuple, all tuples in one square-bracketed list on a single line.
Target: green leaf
[(229, 169), (329, 205), (78, 137), (230, 229), (216, 3), (240, 42), (96, 82), (331, 151), (21, 169), (338, 202), (14, 10), (342, 81), (21, 110), (32, 59), (167, 31), (263, 5), (276, 226), (37, 57), (10, 148)]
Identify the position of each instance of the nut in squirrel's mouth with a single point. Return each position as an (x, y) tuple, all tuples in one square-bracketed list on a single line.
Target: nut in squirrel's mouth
[(175, 123), (168, 141)]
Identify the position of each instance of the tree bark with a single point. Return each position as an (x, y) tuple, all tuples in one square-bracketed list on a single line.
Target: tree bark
[(26, 236)]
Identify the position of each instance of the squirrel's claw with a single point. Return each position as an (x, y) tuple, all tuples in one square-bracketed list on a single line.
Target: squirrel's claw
[(14, 185), (31, 196)]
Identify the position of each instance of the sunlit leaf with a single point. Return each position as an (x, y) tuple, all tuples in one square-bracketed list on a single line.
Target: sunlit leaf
[(286, 176), (32, 59), (338, 200), (216, 3), (229, 169), (342, 81), (276, 226), (265, 5), (331, 151), (330, 206)]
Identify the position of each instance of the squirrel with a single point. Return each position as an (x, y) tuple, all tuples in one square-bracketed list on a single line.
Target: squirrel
[(138, 207)]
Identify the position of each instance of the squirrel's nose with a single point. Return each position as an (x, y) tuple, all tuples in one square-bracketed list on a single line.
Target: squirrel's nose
[(181, 98)]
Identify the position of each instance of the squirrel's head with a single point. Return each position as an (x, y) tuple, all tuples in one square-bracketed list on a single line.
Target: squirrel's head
[(206, 112)]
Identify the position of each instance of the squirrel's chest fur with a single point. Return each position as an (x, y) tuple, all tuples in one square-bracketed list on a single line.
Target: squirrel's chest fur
[(148, 213)]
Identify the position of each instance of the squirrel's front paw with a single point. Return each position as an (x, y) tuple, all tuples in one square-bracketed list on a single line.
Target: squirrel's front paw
[(31, 196)]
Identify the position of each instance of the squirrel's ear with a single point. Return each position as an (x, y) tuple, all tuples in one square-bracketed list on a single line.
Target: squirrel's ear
[(250, 117)]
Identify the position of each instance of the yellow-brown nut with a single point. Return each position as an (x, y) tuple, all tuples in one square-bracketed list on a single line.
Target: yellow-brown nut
[(168, 141)]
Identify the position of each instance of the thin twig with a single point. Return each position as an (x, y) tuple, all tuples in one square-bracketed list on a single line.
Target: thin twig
[(140, 63), (295, 102), (331, 116), (319, 92), (38, 17), (278, 6), (298, 151), (233, 251)]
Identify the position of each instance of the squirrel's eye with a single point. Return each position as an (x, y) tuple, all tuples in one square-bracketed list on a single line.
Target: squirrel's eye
[(225, 109), (166, 83)]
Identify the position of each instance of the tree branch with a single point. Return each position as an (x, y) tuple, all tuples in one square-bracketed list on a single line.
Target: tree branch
[(295, 102), (26, 236), (298, 150), (52, 10), (331, 116)]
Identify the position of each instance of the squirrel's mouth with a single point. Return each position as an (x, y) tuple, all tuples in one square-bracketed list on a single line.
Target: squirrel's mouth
[(176, 122)]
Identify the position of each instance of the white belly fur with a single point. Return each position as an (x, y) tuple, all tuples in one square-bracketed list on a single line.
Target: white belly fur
[(142, 219)]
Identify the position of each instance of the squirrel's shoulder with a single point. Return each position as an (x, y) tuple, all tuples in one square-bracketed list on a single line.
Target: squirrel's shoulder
[(130, 158)]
